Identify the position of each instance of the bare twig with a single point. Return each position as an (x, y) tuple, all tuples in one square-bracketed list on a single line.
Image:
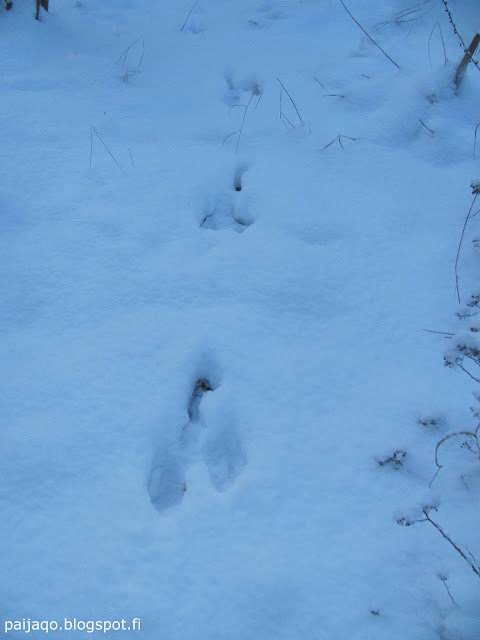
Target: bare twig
[(189, 14), (123, 59), (455, 31), (457, 290), (291, 100), (110, 153), (475, 140), (437, 24), (474, 568), (408, 15), (444, 333), (473, 557), (460, 365), (472, 434), (339, 140), (444, 580), (450, 18), (422, 122), (230, 135), (91, 145), (257, 91), (368, 36), (467, 58)]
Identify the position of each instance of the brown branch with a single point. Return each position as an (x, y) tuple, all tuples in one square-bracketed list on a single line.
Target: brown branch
[(440, 530), (368, 36), (466, 59)]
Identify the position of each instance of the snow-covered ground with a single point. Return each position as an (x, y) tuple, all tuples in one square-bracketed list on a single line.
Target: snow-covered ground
[(223, 236)]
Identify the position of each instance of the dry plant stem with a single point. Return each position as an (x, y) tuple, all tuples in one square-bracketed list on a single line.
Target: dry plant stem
[(468, 372), (123, 58), (125, 53), (189, 14), (444, 580), (443, 333), (437, 24), (475, 140), (410, 11), (440, 530), (422, 122), (257, 91), (404, 16), (466, 59), (339, 140), (368, 36), (291, 100), (460, 246), (455, 31), (243, 122), (471, 434), (91, 147), (450, 18)]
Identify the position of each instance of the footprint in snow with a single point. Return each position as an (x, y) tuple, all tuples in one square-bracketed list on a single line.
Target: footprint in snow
[(224, 457), (166, 484), (228, 209), (221, 452)]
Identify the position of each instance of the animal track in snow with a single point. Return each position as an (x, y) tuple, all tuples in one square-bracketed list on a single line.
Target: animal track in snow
[(228, 210), (224, 456), (201, 387), (220, 449), (219, 213), (166, 484), (240, 170)]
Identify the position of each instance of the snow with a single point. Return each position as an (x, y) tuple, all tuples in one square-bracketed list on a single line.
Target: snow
[(293, 269)]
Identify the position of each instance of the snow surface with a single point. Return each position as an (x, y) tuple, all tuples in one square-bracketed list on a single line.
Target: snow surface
[(294, 276)]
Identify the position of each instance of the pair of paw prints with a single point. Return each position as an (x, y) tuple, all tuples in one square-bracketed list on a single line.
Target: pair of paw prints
[(228, 209), (220, 449)]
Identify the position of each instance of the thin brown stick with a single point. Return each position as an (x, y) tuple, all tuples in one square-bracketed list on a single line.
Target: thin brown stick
[(457, 290), (110, 153), (125, 53), (475, 140), (189, 14), (368, 36), (440, 530), (437, 24), (451, 435), (422, 122), (444, 333), (466, 59), (291, 99), (455, 31)]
